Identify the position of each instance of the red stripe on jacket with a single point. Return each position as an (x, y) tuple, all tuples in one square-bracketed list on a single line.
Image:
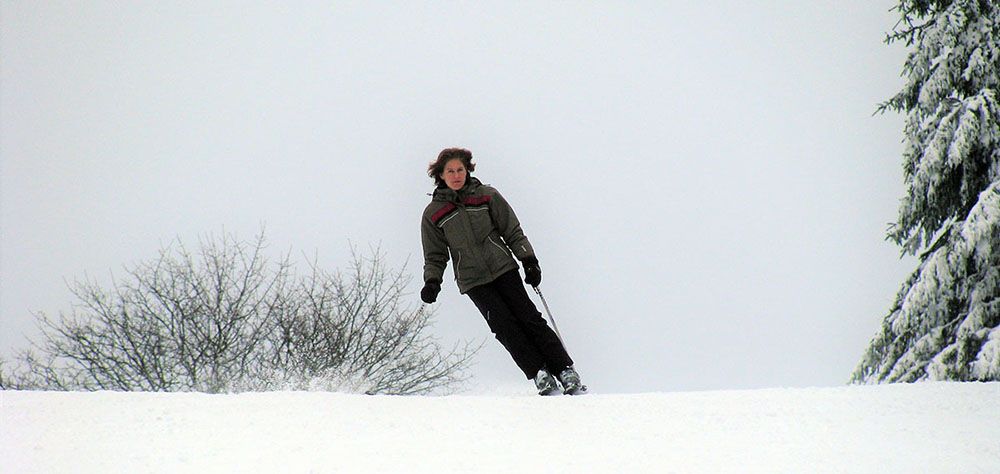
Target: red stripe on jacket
[(444, 211), (476, 200), (448, 207)]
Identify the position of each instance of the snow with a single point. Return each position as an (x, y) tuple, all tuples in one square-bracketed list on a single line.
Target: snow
[(900, 428)]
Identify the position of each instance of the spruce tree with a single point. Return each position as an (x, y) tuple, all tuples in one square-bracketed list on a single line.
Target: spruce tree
[(945, 322)]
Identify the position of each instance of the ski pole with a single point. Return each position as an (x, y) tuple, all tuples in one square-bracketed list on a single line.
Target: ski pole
[(549, 312), (580, 389)]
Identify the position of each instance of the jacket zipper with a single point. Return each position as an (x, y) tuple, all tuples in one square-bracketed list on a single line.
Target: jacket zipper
[(458, 261)]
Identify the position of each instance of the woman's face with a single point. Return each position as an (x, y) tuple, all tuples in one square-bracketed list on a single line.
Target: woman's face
[(454, 174)]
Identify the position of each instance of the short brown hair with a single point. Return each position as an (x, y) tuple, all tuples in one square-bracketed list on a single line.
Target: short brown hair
[(436, 168)]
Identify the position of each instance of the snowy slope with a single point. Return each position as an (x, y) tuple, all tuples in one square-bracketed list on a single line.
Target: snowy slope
[(926, 428)]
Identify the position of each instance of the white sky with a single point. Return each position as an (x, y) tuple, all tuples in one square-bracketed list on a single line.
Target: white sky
[(704, 182)]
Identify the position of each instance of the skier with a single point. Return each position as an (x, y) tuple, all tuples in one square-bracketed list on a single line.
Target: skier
[(471, 223)]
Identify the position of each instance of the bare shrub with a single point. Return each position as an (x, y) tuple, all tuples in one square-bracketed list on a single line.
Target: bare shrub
[(227, 319)]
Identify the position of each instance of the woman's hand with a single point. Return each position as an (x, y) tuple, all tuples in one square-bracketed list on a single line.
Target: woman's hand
[(430, 291), (532, 273)]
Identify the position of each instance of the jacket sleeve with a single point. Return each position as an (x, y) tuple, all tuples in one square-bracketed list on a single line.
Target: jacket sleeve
[(435, 250), (509, 227)]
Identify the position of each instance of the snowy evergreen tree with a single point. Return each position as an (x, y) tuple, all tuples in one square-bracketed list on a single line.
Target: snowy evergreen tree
[(945, 323)]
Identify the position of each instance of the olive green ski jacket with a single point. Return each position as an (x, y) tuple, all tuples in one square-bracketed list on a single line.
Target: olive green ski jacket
[(477, 229)]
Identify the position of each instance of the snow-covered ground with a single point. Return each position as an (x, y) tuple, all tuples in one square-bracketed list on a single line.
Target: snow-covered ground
[(921, 428)]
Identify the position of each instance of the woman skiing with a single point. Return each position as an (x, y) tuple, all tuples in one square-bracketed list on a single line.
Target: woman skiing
[(473, 225)]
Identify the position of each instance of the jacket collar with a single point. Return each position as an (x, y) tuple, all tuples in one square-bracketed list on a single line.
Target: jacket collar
[(444, 193)]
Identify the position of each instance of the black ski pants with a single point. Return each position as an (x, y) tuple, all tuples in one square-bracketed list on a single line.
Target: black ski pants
[(517, 324)]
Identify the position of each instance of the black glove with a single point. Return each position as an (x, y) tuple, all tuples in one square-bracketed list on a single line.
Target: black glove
[(429, 293), (532, 274)]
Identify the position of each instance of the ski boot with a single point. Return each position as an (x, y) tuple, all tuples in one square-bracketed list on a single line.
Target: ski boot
[(545, 383), (570, 381)]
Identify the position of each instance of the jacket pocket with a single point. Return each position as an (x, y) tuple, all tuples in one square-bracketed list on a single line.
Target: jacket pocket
[(458, 262), (503, 248), (498, 252)]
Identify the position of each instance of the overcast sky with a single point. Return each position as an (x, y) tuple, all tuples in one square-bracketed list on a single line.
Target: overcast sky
[(704, 183)]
